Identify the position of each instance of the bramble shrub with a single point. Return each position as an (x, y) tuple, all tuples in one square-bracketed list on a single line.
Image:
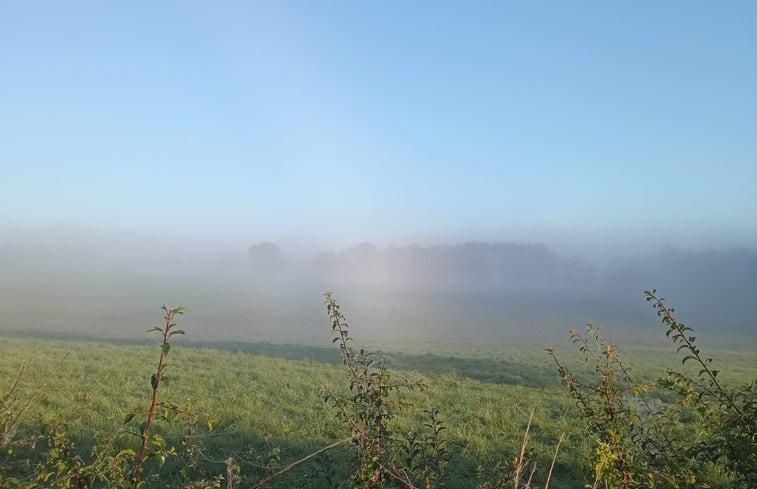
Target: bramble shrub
[(153, 445), (389, 457), (10, 413), (115, 461), (684, 430), (426, 452), (11, 409), (706, 437), (369, 410), (108, 464)]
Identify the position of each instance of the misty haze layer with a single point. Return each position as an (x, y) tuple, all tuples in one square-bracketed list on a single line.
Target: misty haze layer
[(503, 291)]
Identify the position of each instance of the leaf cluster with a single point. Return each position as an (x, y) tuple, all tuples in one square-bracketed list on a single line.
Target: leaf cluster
[(703, 437), (369, 409)]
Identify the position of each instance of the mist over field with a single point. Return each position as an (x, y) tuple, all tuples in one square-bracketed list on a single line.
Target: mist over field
[(473, 181), (550, 163), (473, 291)]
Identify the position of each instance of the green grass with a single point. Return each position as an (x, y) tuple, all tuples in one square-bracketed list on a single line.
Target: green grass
[(262, 394)]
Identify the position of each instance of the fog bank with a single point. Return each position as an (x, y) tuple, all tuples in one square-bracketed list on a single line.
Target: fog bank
[(504, 291)]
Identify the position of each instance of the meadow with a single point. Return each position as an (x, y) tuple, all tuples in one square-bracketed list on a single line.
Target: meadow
[(266, 405)]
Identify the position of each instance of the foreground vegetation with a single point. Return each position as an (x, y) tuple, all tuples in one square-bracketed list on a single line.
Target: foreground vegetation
[(97, 415)]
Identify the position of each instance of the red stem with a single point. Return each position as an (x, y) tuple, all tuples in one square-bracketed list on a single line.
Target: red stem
[(153, 403)]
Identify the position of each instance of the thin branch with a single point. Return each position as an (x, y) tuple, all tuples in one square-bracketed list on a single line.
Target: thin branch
[(554, 458), (289, 467)]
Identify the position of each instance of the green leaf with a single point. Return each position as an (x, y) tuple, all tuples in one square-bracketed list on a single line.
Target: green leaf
[(158, 441), (165, 347), (688, 357), (177, 331), (155, 328), (127, 452), (128, 418)]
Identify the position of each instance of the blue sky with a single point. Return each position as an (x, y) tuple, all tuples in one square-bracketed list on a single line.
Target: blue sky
[(396, 122)]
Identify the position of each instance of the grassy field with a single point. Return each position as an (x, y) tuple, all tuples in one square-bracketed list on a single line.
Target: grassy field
[(267, 401)]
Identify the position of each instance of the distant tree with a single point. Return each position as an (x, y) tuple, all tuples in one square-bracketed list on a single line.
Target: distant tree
[(493, 267), (267, 258)]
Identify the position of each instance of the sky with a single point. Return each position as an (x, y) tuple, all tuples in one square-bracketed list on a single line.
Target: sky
[(331, 123)]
